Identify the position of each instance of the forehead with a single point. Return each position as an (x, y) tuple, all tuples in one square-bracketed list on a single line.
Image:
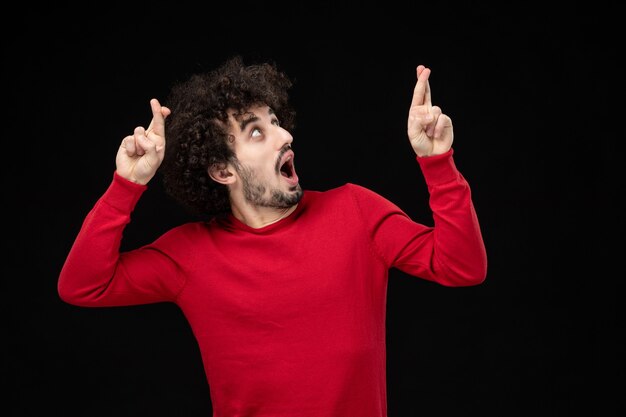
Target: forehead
[(258, 110)]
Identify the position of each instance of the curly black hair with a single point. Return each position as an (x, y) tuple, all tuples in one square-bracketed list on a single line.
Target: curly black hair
[(195, 132)]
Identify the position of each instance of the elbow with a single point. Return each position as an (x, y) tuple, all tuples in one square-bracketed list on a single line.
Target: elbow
[(480, 275), (477, 278), (67, 294), (475, 275), (473, 270), (80, 287), (78, 295), (466, 275), (466, 280)]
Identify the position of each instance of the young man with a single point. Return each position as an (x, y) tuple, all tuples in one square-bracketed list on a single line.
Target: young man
[(284, 288)]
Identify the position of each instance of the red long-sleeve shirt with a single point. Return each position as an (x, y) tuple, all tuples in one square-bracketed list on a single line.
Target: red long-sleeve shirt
[(290, 317)]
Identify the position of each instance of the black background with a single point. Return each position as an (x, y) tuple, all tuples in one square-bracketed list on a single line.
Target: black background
[(535, 98)]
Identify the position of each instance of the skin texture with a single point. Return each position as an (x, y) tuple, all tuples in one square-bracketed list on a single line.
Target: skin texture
[(258, 193), (429, 130), (140, 154)]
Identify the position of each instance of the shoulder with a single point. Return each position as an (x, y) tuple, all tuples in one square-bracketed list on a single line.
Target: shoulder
[(343, 192), (347, 194), (346, 189), (359, 192), (181, 233)]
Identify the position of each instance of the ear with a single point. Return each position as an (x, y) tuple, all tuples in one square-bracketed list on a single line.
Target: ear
[(221, 173)]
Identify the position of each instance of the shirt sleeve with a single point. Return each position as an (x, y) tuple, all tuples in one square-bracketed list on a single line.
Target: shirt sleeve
[(451, 252), (95, 273)]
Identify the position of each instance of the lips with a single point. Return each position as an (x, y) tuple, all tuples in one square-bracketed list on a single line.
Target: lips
[(287, 169)]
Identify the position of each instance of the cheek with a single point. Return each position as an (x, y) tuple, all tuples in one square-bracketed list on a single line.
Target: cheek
[(260, 172), (254, 156), (262, 164)]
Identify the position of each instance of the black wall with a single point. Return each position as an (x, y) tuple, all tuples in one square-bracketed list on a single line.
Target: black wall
[(535, 102)]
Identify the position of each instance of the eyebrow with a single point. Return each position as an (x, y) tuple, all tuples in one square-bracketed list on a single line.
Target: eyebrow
[(245, 121)]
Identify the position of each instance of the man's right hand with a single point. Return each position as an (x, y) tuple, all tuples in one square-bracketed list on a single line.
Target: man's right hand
[(140, 154)]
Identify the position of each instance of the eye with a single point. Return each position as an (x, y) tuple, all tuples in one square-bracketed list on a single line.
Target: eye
[(276, 122), (255, 132)]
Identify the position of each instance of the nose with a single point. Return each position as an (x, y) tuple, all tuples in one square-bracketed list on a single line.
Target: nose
[(284, 136)]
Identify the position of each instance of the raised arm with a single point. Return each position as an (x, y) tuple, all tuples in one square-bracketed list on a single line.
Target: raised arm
[(451, 252), (95, 273)]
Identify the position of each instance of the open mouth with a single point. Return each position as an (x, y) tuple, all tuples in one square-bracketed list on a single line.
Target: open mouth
[(287, 169)]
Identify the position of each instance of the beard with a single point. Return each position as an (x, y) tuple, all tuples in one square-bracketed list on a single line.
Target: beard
[(259, 193)]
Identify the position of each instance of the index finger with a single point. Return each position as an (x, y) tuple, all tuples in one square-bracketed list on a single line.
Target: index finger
[(421, 93), (157, 124)]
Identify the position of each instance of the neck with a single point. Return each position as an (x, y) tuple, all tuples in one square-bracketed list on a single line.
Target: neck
[(257, 217)]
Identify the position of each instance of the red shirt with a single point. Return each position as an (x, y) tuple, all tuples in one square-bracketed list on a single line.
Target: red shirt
[(290, 317)]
